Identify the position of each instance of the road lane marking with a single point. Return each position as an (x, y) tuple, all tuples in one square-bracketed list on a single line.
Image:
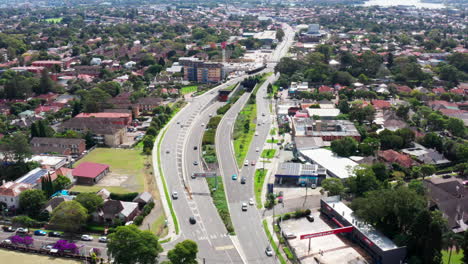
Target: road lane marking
[(224, 247)]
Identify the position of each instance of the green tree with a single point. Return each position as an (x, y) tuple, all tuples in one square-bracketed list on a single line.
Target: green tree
[(364, 180), (452, 241), (61, 183), (31, 202), (344, 147), (89, 139), (184, 252), (456, 127), (464, 247), (380, 171), (425, 237), (280, 34), (90, 201), (112, 88), (69, 216), (333, 186), (144, 246), (369, 146), (45, 85), (15, 148)]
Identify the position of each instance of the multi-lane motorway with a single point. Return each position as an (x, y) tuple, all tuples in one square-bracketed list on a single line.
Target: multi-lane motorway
[(178, 156)]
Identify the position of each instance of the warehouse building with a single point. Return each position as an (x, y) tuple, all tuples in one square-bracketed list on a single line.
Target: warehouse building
[(300, 174)]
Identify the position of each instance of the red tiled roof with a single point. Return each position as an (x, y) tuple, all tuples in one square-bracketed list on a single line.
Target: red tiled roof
[(392, 156), (325, 89), (404, 89), (89, 169), (458, 91), (381, 104)]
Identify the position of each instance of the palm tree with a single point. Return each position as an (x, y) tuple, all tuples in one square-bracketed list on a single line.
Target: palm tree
[(452, 241)]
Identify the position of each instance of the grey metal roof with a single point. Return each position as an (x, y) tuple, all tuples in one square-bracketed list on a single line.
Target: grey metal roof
[(32, 176)]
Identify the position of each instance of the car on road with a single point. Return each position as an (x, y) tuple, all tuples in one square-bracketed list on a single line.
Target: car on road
[(246, 163), (210, 115), (243, 180), (256, 133), (251, 201), (54, 234), (175, 196), (103, 239), (192, 220), (234, 177), (263, 114), (202, 124), (257, 149), (310, 218), (252, 163), (8, 229), (40, 233), (178, 122), (87, 238), (195, 147), (167, 151), (195, 163), (22, 230), (244, 207), (268, 251)]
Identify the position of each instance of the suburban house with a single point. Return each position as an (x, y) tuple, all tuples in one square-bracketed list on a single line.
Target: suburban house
[(35, 176), (391, 156), (103, 130), (10, 192), (90, 173), (113, 209), (63, 146), (143, 198), (451, 198), (425, 155), (55, 201)]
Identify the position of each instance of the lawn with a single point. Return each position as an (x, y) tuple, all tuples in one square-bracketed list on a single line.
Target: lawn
[(242, 136), (272, 242), (273, 131), (127, 170), (268, 153), (456, 257), (158, 227), (258, 186), (54, 20), (220, 202), (10, 256), (188, 89)]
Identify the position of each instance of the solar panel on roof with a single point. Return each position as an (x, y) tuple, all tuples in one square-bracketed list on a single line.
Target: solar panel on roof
[(33, 177)]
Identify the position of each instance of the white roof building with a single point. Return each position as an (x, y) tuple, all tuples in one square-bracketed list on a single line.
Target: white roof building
[(336, 166)]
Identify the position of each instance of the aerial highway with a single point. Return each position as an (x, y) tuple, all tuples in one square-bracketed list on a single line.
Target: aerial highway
[(247, 224)]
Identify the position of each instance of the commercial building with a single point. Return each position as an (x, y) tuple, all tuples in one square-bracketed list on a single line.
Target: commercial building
[(196, 70), (378, 246), (328, 130), (338, 167), (90, 173), (300, 174)]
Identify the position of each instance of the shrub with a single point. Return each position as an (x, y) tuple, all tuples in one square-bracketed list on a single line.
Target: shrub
[(287, 216), (138, 220), (23, 220), (307, 212), (128, 197), (288, 253)]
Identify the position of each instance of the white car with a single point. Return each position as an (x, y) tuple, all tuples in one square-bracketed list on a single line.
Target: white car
[(256, 133), (268, 251), (251, 201), (246, 163), (6, 241), (103, 239), (87, 238), (244, 207), (257, 149), (175, 195)]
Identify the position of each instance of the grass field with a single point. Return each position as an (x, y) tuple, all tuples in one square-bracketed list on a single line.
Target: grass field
[(242, 139), (268, 153), (188, 89), (10, 256), (127, 170), (456, 257), (258, 186), (54, 20), (274, 141), (220, 202)]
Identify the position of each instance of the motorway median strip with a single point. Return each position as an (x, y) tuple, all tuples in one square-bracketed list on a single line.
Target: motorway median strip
[(220, 202), (258, 186)]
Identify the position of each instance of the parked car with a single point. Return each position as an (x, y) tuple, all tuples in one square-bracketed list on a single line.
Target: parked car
[(8, 229), (234, 177), (103, 239), (243, 180), (244, 207), (54, 234), (310, 218), (268, 251), (6, 241), (195, 163), (175, 196), (167, 151), (289, 235), (263, 114), (192, 220), (87, 238), (251, 201), (22, 230), (40, 233), (202, 124)]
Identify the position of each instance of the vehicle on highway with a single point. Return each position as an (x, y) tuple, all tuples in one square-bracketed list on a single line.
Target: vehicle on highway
[(263, 114), (256, 133), (202, 124), (87, 238), (103, 239), (243, 180), (268, 251), (195, 147), (310, 218), (178, 122), (40, 233), (234, 177), (257, 149), (289, 235), (175, 196), (8, 229), (244, 207), (252, 163), (195, 163), (167, 151), (246, 163), (192, 220), (22, 230), (210, 115), (54, 234), (251, 201)]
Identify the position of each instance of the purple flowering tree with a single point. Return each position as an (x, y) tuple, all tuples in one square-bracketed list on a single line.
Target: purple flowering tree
[(96, 251), (26, 240), (16, 239), (64, 245)]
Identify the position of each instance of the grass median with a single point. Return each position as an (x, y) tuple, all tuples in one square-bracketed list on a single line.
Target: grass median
[(220, 202), (258, 186), (268, 153), (244, 129), (272, 242)]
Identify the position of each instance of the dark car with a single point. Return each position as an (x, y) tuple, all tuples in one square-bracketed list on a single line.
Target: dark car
[(310, 218), (8, 229), (192, 220), (195, 147), (54, 234), (243, 180)]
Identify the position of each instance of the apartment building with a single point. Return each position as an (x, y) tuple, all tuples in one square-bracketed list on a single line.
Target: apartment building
[(196, 70)]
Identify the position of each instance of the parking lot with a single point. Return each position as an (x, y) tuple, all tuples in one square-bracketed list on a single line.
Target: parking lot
[(326, 249)]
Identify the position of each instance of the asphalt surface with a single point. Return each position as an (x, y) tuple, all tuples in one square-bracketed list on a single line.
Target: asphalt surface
[(247, 224), (177, 157)]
